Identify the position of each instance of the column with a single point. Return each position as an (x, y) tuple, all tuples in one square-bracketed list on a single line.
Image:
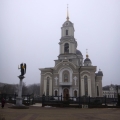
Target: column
[(82, 87), (89, 87), (50, 87), (45, 84)]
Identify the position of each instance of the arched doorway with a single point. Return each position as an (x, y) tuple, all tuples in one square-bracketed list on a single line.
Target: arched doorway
[(66, 94)]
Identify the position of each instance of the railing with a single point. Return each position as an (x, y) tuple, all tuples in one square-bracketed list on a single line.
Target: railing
[(47, 100), (65, 83)]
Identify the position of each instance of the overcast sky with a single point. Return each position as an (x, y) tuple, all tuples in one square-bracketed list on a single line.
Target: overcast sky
[(30, 31)]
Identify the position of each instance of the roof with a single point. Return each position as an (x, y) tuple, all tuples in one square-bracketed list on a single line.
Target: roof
[(78, 52), (109, 86), (106, 88), (87, 60), (100, 73), (68, 23)]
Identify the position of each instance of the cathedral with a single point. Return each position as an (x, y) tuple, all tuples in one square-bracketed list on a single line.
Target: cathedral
[(72, 76)]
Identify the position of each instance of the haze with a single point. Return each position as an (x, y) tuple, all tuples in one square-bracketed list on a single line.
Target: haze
[(30, 31)]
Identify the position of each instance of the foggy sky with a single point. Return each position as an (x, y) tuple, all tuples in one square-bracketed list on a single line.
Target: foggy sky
[(30, 31)]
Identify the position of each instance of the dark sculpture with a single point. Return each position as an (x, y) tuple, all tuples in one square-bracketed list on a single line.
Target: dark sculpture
[(23, 69)]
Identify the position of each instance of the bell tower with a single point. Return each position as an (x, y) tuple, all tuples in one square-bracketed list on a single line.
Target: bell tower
[(67, 29), (67, 43)]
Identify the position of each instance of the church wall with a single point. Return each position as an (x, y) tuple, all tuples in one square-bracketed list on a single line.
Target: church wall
[(75, 85), (70, 66), (74, 61), (82, 86), (83, 74), (93, 84), (50, 87), (70, 47), (66, 72), (56, 62), (64, 31), (62, 49), (62, 65), (44, 86), (70, 31), (99, 84), (55, 82), (41, 86), (61, 73), (96, 84), (73, 48)]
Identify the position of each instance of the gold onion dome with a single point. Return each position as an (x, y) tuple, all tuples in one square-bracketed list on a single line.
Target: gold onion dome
[(87, 56)]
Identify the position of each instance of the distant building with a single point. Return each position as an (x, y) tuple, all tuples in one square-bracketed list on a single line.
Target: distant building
[(110, 91), (63, 78)]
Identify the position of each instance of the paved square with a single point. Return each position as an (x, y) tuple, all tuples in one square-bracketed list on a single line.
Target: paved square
[(49, 113)]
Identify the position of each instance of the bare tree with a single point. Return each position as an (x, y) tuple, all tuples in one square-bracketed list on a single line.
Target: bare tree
[(34, 89)]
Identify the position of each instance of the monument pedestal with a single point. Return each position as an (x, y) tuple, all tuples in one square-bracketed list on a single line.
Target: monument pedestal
[(19, 99)]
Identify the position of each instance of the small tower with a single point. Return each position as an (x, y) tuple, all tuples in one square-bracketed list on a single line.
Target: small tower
[(87, 61), (98, 79), (67, 29), (100, 73)]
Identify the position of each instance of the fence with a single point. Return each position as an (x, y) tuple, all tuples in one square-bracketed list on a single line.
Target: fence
[(47, 100), (11, 98)]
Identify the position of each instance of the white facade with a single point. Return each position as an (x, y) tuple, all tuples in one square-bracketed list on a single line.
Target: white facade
[(71, 75), (110, 91)]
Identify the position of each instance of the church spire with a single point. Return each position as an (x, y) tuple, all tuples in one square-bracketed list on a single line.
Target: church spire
[(67, 14), (87, 53)]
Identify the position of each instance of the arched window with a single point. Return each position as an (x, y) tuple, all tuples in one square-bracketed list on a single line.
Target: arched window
[(75, 93), (47, 91), (66, 48), (97, 91), (65, 77), (66, 32), (86, 85), (55, 92)]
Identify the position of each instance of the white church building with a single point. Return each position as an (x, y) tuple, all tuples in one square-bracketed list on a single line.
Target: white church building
[(71, 76)]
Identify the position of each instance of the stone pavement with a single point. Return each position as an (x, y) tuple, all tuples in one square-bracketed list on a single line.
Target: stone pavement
[(37, 105), (36, 112)]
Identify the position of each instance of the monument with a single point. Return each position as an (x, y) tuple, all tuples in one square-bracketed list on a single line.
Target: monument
[(21, 77)]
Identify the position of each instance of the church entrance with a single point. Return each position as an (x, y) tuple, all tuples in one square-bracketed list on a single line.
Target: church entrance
[(66, 94)]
